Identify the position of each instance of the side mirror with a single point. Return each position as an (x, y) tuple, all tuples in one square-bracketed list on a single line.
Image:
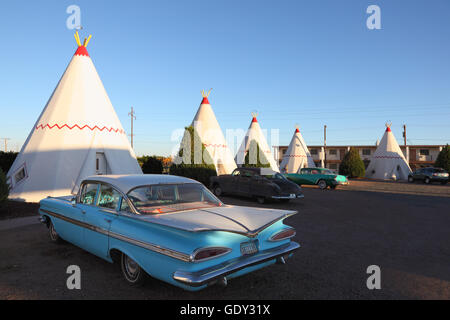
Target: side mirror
[(74, 201)]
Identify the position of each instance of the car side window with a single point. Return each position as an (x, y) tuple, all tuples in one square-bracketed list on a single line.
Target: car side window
[(108, 197), (124, 206), (315, 171), (88, 193), (247, 174)]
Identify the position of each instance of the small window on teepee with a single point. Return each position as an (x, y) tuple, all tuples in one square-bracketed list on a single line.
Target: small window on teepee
[(20, 174)]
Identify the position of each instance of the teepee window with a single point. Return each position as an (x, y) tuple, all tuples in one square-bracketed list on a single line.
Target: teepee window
[(20, 174)]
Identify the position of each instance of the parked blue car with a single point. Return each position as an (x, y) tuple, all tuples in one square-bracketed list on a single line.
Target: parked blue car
[(171, 228)]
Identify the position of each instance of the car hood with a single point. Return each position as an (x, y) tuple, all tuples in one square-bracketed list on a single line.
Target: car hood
[(243, 220)]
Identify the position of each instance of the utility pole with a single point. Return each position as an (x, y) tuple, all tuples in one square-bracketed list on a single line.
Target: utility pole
[(406, 148), (404, 133), (325, 145), (133, 117), (6, 143)]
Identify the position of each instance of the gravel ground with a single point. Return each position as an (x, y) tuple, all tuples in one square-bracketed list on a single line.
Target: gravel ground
[(401, 187), (16, 209), (342, 232)]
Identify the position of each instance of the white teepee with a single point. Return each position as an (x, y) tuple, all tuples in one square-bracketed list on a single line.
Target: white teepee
[(211, 136), (388, 161), (77, 134), (254, 133), (297, 155)]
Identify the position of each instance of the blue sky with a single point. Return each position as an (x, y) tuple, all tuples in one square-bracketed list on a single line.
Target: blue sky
[(296, 62)]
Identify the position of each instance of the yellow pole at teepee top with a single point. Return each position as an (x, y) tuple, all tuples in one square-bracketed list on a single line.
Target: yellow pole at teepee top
[(77, 38), (86, 41)]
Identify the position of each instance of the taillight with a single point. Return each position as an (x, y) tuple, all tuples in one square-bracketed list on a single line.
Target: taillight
[(208, 253), (283, 234)]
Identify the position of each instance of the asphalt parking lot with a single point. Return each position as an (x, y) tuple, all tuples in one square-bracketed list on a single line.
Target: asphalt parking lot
[(342, 232)]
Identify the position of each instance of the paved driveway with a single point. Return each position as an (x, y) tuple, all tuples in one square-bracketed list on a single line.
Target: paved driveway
[(341, 233)]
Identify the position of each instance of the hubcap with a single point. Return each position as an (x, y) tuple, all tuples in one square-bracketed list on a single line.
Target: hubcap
[(53, 233), (322, 184), (131, 268), (218, 191)]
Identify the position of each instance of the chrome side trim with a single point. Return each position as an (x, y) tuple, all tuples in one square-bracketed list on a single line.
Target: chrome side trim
[(152, 247), (215, 273), (146, 245)]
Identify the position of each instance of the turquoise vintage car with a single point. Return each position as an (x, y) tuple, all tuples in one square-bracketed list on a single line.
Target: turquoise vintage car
[(171, 228), (317, 176)]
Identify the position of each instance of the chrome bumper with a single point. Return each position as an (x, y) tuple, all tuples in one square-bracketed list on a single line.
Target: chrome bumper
[(211, 275), (341, 183), (297, 196)]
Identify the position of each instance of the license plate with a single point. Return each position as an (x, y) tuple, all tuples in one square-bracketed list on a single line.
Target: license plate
[(249, 248)]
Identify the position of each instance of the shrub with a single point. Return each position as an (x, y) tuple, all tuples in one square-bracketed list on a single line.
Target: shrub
[(255, 152), (151, 164), (443, 159), (4, 187), (194, 162), (352, 166), (6, 160), (196, 172)]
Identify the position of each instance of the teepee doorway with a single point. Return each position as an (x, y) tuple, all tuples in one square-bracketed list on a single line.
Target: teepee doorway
[(100, 163)]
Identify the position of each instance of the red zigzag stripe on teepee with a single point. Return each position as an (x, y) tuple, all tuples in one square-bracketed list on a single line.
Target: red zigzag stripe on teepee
[(387, 157), (216, 145), (296, 156), (81, 128)]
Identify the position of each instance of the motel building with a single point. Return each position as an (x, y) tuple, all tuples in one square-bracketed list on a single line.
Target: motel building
[(418, 156)]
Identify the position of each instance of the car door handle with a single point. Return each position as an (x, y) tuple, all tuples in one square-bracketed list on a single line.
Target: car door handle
[(108, 220), (83, 211)]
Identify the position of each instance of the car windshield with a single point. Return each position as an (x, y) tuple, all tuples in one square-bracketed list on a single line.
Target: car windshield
[(327, 172), (164, 198)]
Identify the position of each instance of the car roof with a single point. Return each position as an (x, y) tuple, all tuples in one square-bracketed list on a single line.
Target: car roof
[(260, 171), (127, 182)]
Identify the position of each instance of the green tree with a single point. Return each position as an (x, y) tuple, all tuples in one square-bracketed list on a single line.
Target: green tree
[(151, 164), (193, 161), (4, 187), (352, 166), (443, 159), (255, 158), (6, 160)]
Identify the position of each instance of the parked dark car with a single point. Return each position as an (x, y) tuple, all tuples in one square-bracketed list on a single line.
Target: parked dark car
[(428, 175), (259, 183)]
